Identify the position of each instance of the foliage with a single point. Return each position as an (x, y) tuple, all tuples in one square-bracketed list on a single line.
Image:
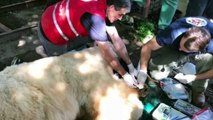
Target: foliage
[(144, 29)]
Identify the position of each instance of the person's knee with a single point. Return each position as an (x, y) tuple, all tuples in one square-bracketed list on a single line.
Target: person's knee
[(199, 86), (203, 62)]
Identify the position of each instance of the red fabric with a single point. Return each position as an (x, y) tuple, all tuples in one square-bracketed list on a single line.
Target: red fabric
[(77, 8)]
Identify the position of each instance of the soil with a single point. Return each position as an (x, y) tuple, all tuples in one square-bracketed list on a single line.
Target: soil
[(21, 39)]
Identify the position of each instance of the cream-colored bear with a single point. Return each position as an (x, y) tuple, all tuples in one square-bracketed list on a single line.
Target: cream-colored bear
[(57, 88)]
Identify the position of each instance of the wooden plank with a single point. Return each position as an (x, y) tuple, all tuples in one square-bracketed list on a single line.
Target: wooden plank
[(4, 28), (13, 34), (20, 43), (21, 5)]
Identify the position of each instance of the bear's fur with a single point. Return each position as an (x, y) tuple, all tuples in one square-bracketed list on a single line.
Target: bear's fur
[(57, 88)]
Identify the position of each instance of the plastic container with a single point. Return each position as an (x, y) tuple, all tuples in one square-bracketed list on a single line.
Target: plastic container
[(186, 107), (165, 112)]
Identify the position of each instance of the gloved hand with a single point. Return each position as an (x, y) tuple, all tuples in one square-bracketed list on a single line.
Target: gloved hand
[(133, 72), (129, 80), (142, 76), (185, 78)]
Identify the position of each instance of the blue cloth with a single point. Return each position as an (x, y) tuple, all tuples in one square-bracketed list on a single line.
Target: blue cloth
[(172, 34)]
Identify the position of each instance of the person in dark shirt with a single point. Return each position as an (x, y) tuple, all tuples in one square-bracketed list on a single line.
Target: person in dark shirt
[(188, 39)]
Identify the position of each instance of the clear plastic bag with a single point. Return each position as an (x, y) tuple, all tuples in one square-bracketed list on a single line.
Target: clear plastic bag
[(173, 89)]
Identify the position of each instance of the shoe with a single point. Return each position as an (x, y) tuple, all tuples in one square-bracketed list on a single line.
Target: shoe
[(41, 51), (198, 99)]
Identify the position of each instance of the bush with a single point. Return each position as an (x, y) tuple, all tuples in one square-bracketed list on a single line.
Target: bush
[(144, 30)]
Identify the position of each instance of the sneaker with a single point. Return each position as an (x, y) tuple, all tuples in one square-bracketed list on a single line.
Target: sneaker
[(41, 51), (198, 99)]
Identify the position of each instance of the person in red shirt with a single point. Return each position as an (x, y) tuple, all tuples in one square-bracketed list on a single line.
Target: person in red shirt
[(70, 24)]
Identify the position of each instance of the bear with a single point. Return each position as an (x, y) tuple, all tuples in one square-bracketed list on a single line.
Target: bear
[(61, 87)]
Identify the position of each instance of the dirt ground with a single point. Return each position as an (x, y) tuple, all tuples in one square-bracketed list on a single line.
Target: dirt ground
[(21, 40)]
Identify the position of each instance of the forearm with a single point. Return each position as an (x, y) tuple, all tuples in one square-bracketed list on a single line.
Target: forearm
[(114, 63), (146, 51), (118, 44), (123, 54), (205, 75), (110, 57), (145, 56)]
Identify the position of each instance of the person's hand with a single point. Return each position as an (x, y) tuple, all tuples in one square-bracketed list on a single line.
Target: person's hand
[(142, 76), (129, 80), (133, 72), (185, 78)]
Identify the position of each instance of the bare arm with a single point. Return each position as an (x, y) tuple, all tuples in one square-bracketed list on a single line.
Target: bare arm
[(146, 51), (110, 57), (118, 44), (205, 75)]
